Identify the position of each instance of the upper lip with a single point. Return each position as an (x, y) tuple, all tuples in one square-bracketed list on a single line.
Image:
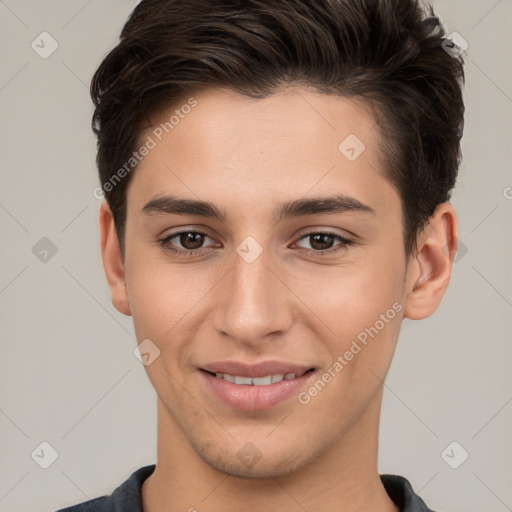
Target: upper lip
[(261, 369)]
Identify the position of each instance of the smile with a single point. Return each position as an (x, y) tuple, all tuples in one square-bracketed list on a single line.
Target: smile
[(254, 387), (258, 381)]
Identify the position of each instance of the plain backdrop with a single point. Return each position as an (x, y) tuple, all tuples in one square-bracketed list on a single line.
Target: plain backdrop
[(69, 377)]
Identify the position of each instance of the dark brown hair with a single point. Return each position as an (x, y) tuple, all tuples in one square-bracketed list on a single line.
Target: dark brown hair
[(388, 53)]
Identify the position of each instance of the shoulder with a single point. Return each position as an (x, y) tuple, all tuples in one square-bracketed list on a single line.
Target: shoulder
[(125, 498), (101, 504), (401, 492)]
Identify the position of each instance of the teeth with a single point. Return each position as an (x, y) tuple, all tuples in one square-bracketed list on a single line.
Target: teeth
[(256, 381), (262, 381), (243, 380)]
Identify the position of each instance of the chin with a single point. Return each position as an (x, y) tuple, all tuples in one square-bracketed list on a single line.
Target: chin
[(250, 462)]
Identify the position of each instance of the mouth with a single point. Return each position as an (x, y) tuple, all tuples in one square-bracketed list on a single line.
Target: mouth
[(258, 381), (254, 387)]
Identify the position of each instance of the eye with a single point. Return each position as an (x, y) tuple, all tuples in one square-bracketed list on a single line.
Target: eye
[(322, 242), (191, 242)]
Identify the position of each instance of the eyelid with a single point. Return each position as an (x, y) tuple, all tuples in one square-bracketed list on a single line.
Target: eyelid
[(202, 230), (166, 239), (344, 241), (342, 233)]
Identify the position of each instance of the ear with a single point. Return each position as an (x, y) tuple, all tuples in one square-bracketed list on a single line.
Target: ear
[(112, 261), (430, 267)]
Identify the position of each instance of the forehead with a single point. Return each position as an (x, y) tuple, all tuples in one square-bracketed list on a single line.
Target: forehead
[(291, 112), (294, 141)]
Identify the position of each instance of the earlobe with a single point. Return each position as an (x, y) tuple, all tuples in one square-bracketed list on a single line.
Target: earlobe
[(431, 265), (112, 261)]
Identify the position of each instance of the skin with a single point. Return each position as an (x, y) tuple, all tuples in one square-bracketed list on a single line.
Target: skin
[(245, 156)]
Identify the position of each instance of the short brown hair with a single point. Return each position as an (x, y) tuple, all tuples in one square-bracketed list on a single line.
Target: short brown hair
[(389, 53)]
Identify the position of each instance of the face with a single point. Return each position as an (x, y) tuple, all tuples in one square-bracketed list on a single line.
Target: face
[(302, 295)]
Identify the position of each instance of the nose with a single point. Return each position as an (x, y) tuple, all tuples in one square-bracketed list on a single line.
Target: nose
[(254, 303)]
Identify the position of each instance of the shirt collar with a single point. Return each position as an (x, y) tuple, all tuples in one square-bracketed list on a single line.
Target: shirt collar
[(127, 497)]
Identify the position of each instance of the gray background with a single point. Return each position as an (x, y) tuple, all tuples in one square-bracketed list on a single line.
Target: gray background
[(69, 376)]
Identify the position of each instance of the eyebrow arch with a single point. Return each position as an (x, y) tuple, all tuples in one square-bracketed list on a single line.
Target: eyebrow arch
[(340, 203)]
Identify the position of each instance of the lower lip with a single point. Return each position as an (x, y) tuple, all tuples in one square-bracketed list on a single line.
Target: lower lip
[(254, 398)]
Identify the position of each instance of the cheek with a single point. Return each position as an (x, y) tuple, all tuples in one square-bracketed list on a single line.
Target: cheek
[(162, 296), (352, 297), (361, 304)]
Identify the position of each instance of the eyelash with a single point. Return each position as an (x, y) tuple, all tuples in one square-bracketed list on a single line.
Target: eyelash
[(345, 243)]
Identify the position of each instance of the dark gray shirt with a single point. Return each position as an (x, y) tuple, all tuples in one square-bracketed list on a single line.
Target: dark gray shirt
[(127, 497)]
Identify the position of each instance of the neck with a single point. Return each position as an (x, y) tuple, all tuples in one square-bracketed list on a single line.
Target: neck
[(345, 478)]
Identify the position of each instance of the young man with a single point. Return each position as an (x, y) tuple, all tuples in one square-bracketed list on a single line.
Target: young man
[(277, 176)]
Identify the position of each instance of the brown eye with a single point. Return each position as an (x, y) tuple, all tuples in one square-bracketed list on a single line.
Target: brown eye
[(191, 240), (323, 242), (185, 242)]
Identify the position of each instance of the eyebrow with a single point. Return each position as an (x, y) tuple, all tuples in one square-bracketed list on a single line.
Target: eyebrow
[(340, 203)]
